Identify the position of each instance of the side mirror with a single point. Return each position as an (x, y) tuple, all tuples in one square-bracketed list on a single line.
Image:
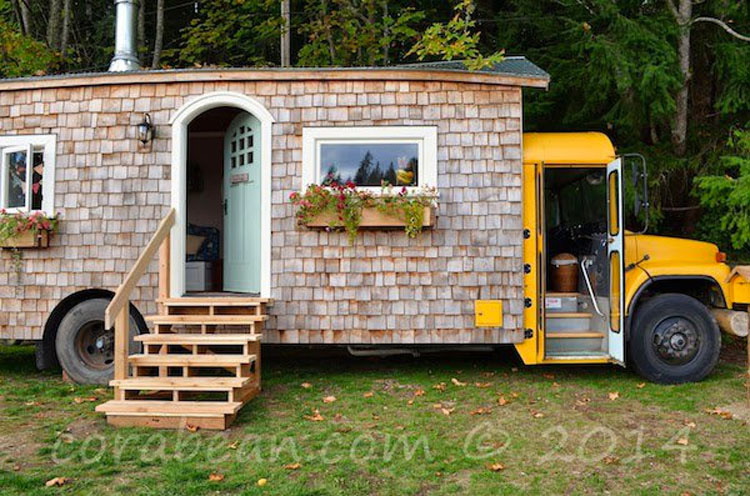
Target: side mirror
[(639, 173)]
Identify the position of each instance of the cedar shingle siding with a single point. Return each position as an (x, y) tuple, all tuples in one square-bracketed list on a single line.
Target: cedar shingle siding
[(111, 193)]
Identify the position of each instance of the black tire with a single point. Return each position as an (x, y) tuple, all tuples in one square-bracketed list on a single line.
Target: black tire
[(674, 340), (84, 348)]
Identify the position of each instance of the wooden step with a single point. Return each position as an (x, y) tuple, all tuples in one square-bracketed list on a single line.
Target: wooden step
[(206, 319), (568, 315), (199, 339), (186, 360), (574, 335), (169, 408), (182, 383), (215, 301)]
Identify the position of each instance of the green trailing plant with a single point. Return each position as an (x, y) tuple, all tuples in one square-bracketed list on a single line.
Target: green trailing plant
[(344, 204), (14, 224)]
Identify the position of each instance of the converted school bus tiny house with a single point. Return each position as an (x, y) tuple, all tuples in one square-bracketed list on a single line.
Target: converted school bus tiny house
[(199, 165)]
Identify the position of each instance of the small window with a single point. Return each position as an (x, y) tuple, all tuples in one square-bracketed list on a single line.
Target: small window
[(369, 157), (27, 172)]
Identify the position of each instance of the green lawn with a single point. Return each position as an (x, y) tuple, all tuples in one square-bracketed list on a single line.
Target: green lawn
[(431, 425)]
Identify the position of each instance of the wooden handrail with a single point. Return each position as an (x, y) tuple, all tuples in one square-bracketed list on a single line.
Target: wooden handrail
[(117, 312)]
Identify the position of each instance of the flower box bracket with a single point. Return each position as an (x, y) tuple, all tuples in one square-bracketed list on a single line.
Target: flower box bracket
[(372, 218)]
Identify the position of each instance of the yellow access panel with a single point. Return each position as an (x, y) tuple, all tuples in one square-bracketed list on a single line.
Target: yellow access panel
[(530, 349), (488, 313)]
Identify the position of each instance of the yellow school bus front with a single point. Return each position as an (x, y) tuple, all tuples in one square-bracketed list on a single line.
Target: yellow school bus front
[(654, 265)]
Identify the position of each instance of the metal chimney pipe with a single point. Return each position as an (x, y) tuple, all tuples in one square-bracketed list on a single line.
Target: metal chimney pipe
[(126, 55)]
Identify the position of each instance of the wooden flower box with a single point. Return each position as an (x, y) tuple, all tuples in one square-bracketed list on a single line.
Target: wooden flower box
[(372, 218), (27, 239)]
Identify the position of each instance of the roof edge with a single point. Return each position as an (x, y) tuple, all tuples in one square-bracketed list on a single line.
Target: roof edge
[(274, 74)]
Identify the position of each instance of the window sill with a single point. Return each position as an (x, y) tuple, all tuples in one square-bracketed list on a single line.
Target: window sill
[(27, 239), (372, 218)]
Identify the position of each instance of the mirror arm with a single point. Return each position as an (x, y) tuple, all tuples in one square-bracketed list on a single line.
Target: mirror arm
[(644, 175)]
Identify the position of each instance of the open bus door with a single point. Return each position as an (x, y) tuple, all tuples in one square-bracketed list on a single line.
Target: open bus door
[(615, 233)]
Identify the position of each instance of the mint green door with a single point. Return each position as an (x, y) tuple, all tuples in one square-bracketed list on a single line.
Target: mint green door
[(242, 177)]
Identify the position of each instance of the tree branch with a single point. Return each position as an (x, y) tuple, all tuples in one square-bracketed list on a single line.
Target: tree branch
[(673, 9), (722, 24)]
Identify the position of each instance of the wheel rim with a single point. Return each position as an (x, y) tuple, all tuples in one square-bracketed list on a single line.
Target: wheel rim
[(676, 341), (95, 345)]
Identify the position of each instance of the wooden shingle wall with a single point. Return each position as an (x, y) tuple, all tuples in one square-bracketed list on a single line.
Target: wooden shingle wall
[(386, 289)]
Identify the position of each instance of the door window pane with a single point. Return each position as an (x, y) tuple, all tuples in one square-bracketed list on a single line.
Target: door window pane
[(614, 291), (370, 164), (16, 163), (37, 179), (614, 204)]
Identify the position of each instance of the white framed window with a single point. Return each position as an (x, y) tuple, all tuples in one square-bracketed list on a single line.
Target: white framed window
[(402, 156), (27, 173)]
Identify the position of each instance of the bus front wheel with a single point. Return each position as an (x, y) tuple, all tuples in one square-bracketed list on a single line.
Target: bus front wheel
[(674, 340)]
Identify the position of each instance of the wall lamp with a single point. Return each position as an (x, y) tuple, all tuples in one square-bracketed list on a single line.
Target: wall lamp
[(145, 129)]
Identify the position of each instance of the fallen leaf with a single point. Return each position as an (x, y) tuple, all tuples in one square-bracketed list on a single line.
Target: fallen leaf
[(262, 482), (514, 369), (305, 385), (78, 401), (447, 411), (488, 374), (548, 376), (410, 402), (32, 403), (683, 441), (720, 412), (419, 392), (456, 382), (368, 394), (292, 466), (611, 459), (555, 384), (315, 417), (613, 395), (439, 387), (214, 477), (329, 399), (502, 401), (338, 417), (16, 468), (481, 411), (689, 423), (514, 394), (496, 467), (57, 481), (641, 385), (483, 385), (234, 445), (536, 414), (191, 428)]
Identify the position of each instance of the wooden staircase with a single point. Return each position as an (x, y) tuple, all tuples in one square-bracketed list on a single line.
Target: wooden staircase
[(200, 365), (198, 368)]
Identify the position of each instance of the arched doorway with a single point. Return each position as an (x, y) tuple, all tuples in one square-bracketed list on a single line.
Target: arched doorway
[(221, 191)]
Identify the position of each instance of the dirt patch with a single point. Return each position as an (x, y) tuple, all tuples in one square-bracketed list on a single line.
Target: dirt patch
[(18, 448), (82, 428), (740, 411), (734, 351)]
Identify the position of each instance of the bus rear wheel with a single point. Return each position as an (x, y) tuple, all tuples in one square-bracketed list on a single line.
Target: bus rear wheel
[(674, 340), (84, 347)]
